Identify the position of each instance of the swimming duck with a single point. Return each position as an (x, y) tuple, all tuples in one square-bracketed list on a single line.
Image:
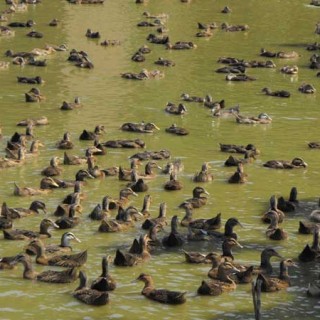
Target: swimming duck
[(100, 212), (160, 220), (273, 231), (197, 257), (148, 170), (105, 282), (74, 197), (188, 98), (34, 122), (231, 28), (155, 155), (239, 148), (289, 69), (177, 130), (239, 77), (204, 175), (123, 198), (174, 239), (136, 143), (290, 204), (34, 95), (66, 142), (71, 105), (70, 221), (272, 284), (226, 9), (175, 165), (30, 80), (137, 184), (152, 38), (285, 164), (53, 169), (273, 208), (9, 163), (148, 15), (143, 75), (73, 160), (126, 174), (88, 135), (307, 88), (231, 69), (233, 161), (92, 35), (181, 45), (262, 118), (6, 31), (204, 33), (228, 229), (239, 176), (139, 127), (210, 103), (34, 34), (279, 54), (310, 253), (306, 227), (66, 260), (7, 262), (52, 276), (20, 234), (173, 183), (206, 26), (160, 295), (63, 247), (223, 282), (15, 213), (165, 62), (197, 200), (89, 296), (54, 22), (278, 93), (27, 24), (314, 145)]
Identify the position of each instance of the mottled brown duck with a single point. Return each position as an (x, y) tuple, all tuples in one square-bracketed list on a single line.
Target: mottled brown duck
[(105, 282), (197, 200), (160, 220)]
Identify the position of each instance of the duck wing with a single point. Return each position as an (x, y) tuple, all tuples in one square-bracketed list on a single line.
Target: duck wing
[(65, 276), (167, 296), (69, 261)]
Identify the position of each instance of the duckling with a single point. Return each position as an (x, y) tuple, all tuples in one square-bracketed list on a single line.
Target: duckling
[(285, 164), (239, 176), (273, 231), (71, 105), (174, 239), (197, 200), (105, 282), (307, 88), (278, 93), (160, 295), (66, 260), (88, 135), (177, 130), (228, 229), (66, 142), (204, 175), (289, 69), (310, 253), (223, 282), (89, 296), (20, 234), (53, 169), (160, 220), (272, 284), (52, 276), (165, 62), (15, 213)]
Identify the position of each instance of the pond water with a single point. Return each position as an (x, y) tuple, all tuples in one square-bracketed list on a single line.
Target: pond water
[(111, 100)]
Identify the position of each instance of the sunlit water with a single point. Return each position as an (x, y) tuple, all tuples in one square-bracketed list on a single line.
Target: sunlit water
[(110, 100)]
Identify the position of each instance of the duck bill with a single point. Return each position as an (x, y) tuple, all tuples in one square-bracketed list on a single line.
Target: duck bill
[(238, 244), (55, 225)]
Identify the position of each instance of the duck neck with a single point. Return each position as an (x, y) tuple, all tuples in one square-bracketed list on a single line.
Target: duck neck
[(265, 264), (105, 203), (228, 229), (146, 204), (163, 210), (148, 286), (293, 195), (44, 230), (226, 250), (174, 225), (83, 281), (315, 243), (40, 252), (65, 242), (222, 276), (188, 215), (148, 169), (104, 267), (28, 272), (284, 275)]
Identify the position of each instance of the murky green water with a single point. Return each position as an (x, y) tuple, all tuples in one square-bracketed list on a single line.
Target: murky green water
[(110, 100)]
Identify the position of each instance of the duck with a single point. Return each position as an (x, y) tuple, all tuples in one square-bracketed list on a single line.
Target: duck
[(92, 35), (94, 170), (233, 161), (130, 259), (143, 75), (187, 97), (53, 169), (89, 296), (71, 105), (28, 191), (279, 54), (52, 276), (100, 212), (272, 284), (74, 197), (181, 45), (314, 145), (112, 43), (232, 28), (30, 80), (262, 118), (315, 215), (226, 9), (289, 70), (152, 38), (148, 170), (310, 253), (148, 15), (127, 143), (43, 120), (228, 230), (239, 77), (204, 33), (165, 62), (176, 165), (197, 257), (27, 24), (265, 266), (9, 163), (15, 213), (160, 295), (239, 176), (223, 283), (73, 160), (233, 148), (138, 184), (88, 135), (20, 234), (285, 164), (66, 260), (211, 104), (34, 95), (197, 200), (7, 263), (155, 155), (66, 142), (54, 22), (273, 231), (173, 184), (160, 220), (203, 175), (105, 282), (50, 249), (307, 88), (266, 217), (174, 239), (34, 34), (306, 227), (70, 221), (174, 129), (204, 224), (232, 69), (278, 93), (126, 174), (123, 198), (290, 204), (141, 127)]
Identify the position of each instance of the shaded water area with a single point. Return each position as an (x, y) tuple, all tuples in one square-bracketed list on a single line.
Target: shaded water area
[(111, 100)]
